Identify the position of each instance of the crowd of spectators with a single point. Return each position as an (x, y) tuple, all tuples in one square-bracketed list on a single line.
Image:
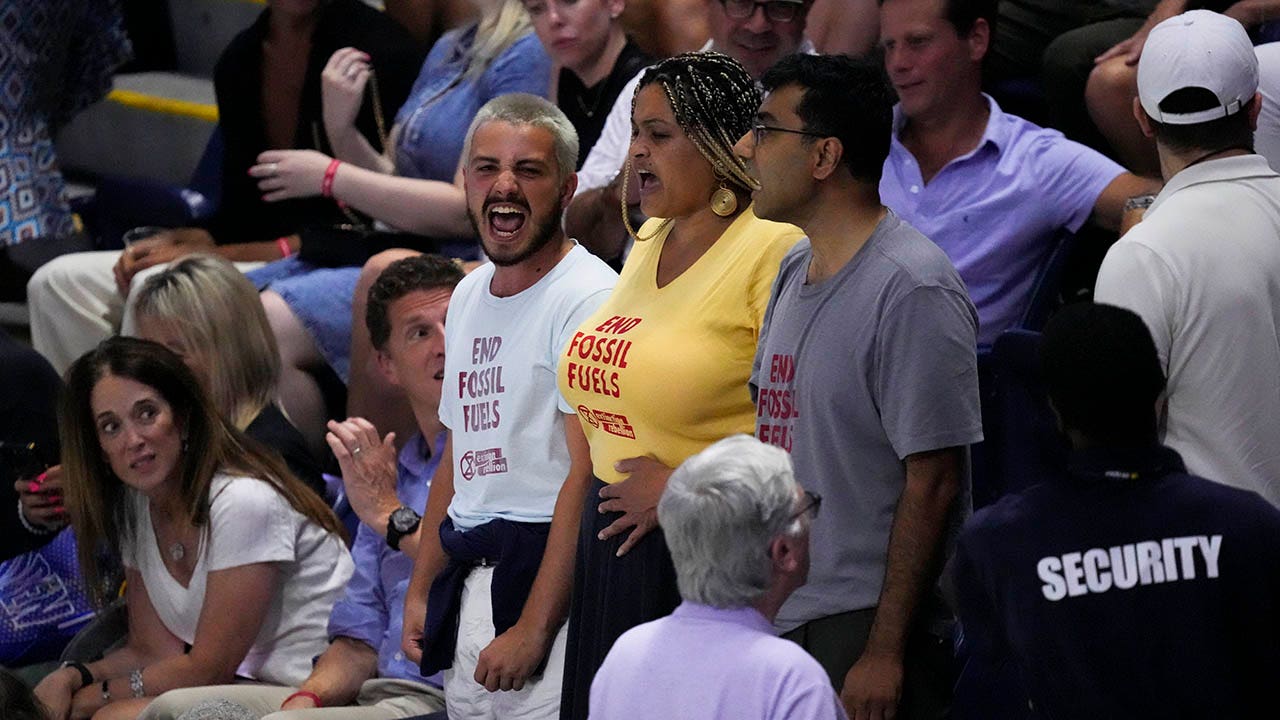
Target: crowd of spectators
[(526, 404)]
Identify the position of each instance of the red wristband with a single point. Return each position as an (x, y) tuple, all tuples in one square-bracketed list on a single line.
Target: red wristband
[(283, 244), (306, 694), (326, 185)]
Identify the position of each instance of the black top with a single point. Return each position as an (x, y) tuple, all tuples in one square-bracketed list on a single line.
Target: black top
[(1127, 589), (273, 429), (396, 58), (587, 108), (29, 389)]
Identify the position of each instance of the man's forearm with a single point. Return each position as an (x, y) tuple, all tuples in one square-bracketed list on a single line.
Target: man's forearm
[(409, 543), (548, 603), (428, 556), (1108, 211), (341, 670), (933, 482), (1164, 10)]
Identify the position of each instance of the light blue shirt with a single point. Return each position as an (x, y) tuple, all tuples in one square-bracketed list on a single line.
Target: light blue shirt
[(434, 120), (372, 610), (706, 662), (996, 210)]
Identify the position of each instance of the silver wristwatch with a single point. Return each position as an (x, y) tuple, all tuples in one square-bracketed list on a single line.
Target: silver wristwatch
[(1139, 202)]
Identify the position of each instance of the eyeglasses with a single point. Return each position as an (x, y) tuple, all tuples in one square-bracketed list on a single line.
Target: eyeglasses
[(782, 11), (758, 132), (812, 503)]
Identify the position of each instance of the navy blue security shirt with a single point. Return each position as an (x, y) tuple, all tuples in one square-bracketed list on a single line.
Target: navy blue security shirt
[(1126, 589)]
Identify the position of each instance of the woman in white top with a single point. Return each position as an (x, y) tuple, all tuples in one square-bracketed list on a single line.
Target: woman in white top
[(231, 563)]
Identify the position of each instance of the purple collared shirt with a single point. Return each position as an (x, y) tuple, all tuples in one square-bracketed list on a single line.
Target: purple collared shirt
[(706, 662), (372, 609), (996, 210)]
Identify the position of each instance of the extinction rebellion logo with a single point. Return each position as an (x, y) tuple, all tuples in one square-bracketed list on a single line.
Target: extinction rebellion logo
[(611, 423), (484, 462)]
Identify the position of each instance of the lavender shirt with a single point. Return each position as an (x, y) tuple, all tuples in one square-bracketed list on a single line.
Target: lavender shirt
[(996, 210), (706, 662)]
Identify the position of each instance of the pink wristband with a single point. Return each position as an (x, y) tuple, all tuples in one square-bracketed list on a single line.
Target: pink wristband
[(283, 244), (326, 185)]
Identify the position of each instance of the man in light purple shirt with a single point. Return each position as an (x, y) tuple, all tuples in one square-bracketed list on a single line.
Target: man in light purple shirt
[(737, 525), (991, 189)]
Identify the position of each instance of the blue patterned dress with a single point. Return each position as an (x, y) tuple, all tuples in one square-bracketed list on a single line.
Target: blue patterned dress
[(56, 58)]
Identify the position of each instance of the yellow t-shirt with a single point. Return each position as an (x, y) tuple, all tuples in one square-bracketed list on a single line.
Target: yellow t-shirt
[(663, 371)]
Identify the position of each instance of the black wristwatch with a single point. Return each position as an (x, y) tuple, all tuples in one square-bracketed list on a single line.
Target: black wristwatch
[(403, 521), (86, 677)]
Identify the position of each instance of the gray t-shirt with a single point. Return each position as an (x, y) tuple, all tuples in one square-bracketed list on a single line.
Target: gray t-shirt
[(851, 376)]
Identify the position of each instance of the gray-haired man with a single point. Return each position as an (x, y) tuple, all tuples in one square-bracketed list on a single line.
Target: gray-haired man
[(737, 525)]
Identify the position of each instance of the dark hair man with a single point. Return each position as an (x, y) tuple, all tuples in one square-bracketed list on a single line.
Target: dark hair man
[(1129, 587), (1201, 267), (991, 189), (866, 371)]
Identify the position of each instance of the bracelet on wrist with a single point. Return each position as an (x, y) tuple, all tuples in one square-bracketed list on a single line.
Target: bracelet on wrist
[(283, 243), (306, 694), (26, 524), (135, 683), (326, 184), (86, 677), (1139, 202)]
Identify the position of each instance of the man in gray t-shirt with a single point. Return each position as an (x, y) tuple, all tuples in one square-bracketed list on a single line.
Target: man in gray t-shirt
[(866, 372)]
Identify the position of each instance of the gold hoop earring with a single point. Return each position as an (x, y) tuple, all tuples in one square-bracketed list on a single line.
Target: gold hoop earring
[(626, 214), (724, 202)]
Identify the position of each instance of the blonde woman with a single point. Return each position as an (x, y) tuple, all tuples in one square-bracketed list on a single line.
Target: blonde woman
[(208, 314), (409, 188)]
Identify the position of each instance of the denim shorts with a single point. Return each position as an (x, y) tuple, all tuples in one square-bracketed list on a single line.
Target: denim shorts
[(321, 298)]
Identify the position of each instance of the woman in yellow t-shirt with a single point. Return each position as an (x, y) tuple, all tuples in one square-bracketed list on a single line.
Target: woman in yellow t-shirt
[(660, 371)]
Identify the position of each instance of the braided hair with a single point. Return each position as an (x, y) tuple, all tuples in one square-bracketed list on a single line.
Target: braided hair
[(715, 101)]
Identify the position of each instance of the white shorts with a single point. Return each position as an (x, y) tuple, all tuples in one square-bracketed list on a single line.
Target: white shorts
[(467, 699)]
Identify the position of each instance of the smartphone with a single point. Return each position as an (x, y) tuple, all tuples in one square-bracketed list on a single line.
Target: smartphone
[(20, 460)]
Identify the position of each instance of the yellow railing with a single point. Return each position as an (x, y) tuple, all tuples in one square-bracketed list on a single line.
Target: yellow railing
[(168, 106)]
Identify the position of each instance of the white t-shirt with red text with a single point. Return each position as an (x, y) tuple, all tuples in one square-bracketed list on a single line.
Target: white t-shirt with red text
[(500, 400)]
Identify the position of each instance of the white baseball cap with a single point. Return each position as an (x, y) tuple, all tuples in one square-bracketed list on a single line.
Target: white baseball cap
[(1197, 49)]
